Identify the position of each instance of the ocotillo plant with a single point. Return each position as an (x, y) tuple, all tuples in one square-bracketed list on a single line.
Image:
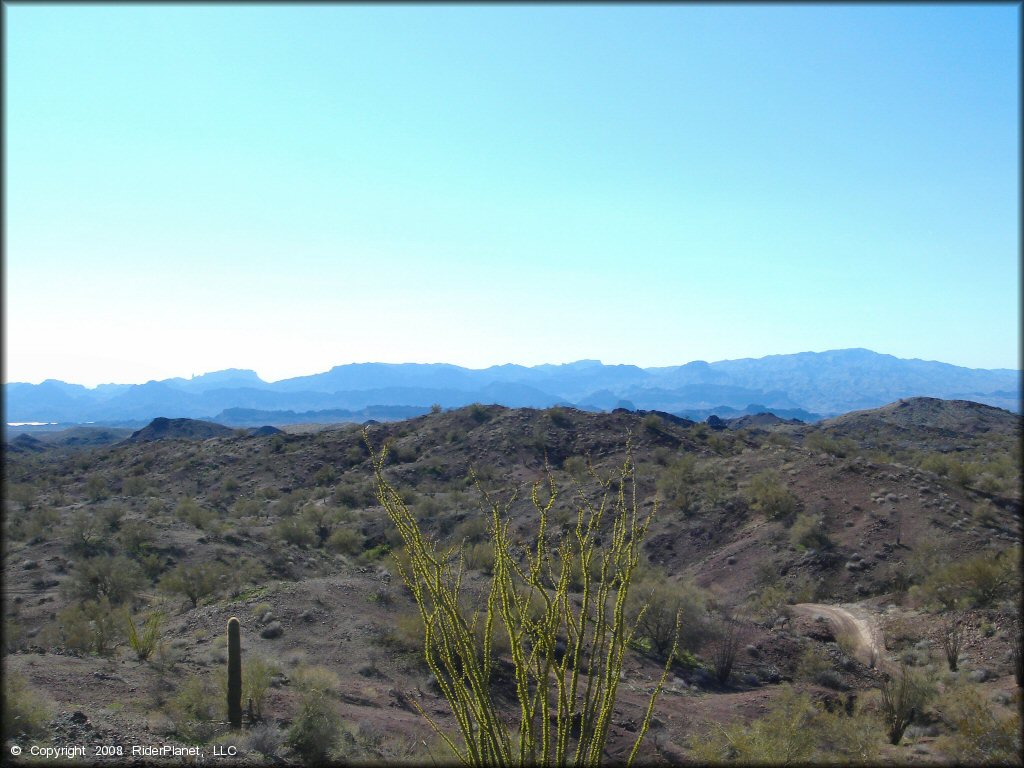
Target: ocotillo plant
[(567, 659), (234, 673)]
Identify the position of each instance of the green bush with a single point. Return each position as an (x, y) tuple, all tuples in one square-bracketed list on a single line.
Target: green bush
[(294, 531), (345, 541), (195, 710), (96, 488), (85, 532), (809, 531), (26, 713), (980, 735), (315, 729), (193, 581), (823, 443), (134, 486), (664, 601), (979, 580), (89, 627), (903, 697), (480, 557), (794, 731), (677, 482), (325, 476), (768, 495), (135, 537), (144, 643), (116, 579), (192, 513)]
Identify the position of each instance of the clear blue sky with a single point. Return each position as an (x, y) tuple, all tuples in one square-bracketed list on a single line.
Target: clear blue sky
[(289, 188)]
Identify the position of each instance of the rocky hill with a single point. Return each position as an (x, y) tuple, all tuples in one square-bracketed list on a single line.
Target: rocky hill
[(179, 429)]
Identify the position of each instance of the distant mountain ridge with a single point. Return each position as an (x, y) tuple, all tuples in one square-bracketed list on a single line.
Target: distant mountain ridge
[(818, 384)]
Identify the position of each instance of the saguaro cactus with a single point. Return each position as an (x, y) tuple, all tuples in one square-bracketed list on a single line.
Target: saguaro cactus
[(234, 673)]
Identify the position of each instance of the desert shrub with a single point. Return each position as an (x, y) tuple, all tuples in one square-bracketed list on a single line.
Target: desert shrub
[(809, 531), (980, 735), (321, 520), (85, 532), (315, 729), (135, 537), (951, 637), (472, 529), (823, 443), (726, 640), (979, 580), (144, 643), (313, 678), (769, 600), (768, 495), (677, 483), (325, 476), (91, 626), (715, 488), (23, 494), (26, 713), (985, 514), (353, 495), (576, 466), (345, 541), (193, 513), (241, 573), (111, 517), (794, 731), (294, 531), (406, 632), (152, 564), (196, 708), (266, 739), (134, 485), (193, 581), (96, 488), (661, 601), (115, 578), (39, 522), (652, 422), (480, 557), (926, 559), (597, 632), (903, 697), (245, 508), (478, 413)]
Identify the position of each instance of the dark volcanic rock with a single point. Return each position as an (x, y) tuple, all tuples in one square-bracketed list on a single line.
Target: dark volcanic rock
[(179, 429), (265, 430)]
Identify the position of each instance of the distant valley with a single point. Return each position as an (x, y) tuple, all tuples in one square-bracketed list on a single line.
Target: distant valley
[(806, 386)]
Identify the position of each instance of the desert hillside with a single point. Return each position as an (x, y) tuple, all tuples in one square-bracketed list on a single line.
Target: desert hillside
[(830, 556)]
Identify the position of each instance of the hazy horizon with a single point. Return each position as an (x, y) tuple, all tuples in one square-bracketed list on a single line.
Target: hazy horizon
[(301, 187), (196, 374)]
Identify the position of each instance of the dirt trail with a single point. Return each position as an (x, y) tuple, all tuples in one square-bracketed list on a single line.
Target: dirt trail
[(852, 622)]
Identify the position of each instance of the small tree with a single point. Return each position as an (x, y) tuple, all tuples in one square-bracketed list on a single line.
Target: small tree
[(193, 581), (903, 699), (566, 660), (724, 648), (952, 637), (667, 612)]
